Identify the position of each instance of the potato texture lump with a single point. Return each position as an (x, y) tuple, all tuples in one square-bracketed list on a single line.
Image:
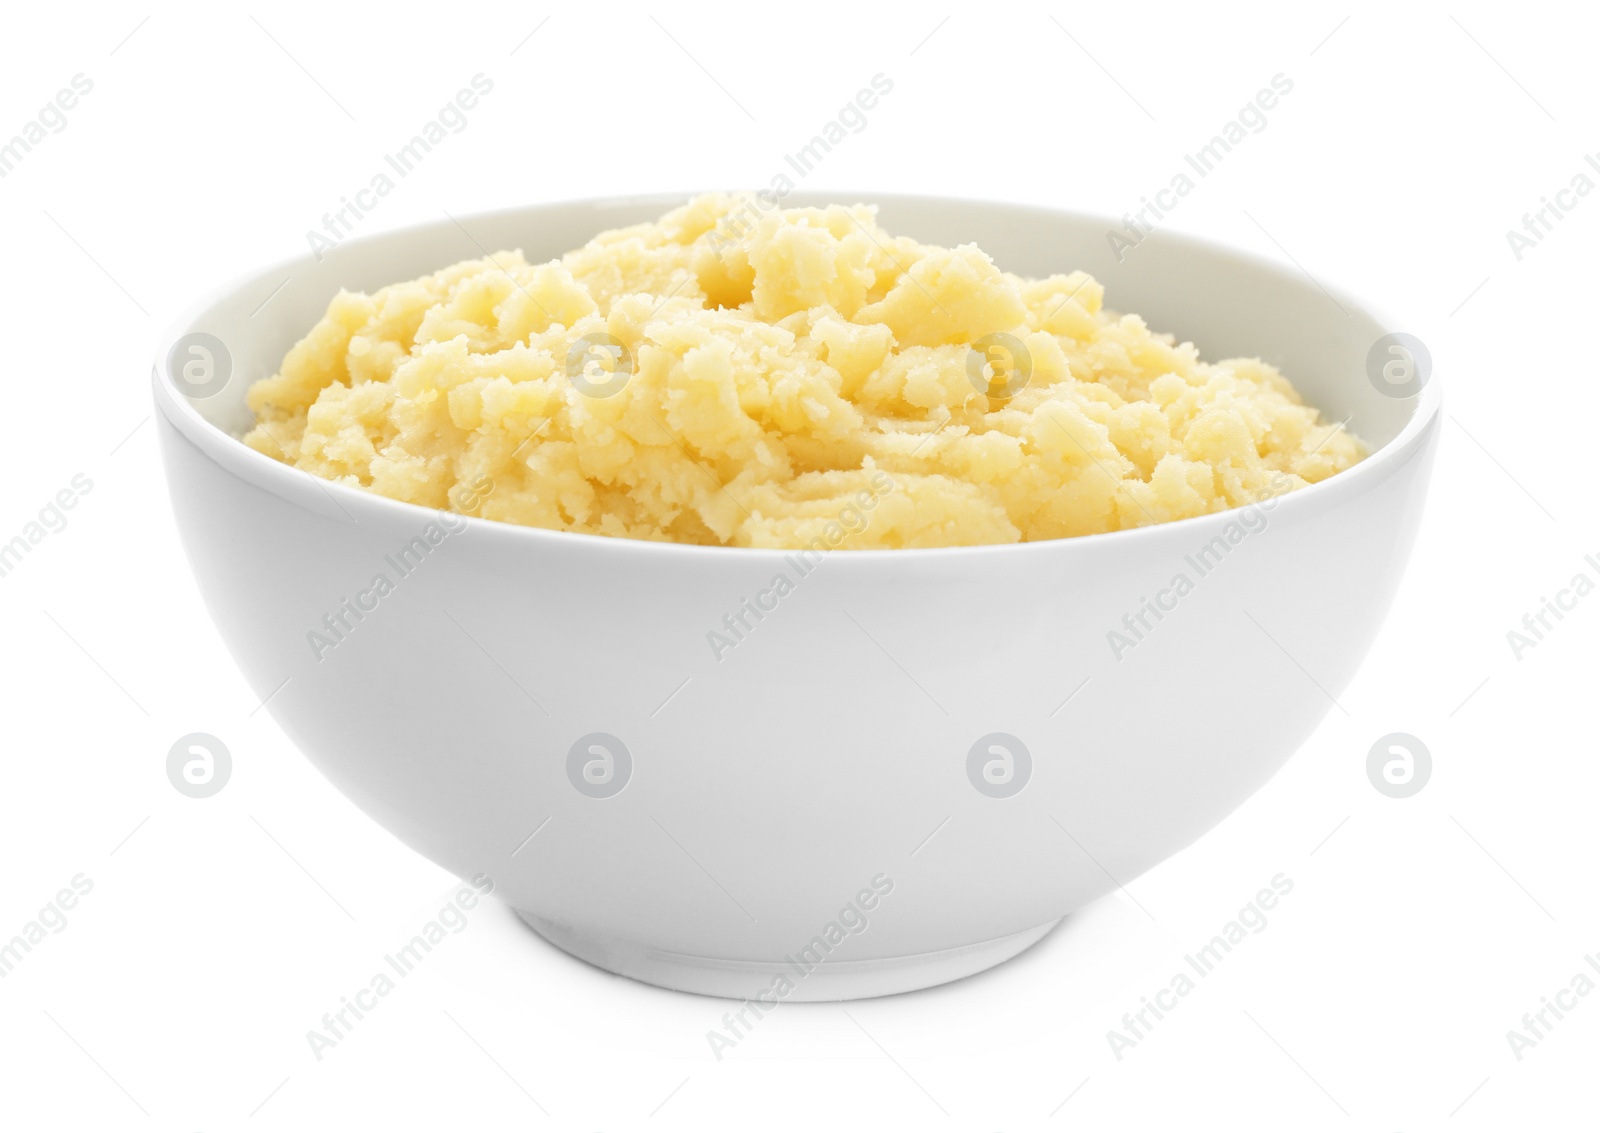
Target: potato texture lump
[(779, 364)]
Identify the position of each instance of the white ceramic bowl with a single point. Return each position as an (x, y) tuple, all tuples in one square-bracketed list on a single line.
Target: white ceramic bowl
[(834, 745)]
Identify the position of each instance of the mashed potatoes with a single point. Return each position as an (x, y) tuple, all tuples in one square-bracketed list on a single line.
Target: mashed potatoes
[(752, 377)]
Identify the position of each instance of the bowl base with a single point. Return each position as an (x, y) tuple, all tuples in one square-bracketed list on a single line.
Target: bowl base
[(826, 981)]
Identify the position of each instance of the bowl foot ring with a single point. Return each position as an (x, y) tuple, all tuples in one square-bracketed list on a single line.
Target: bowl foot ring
[(827, 981)]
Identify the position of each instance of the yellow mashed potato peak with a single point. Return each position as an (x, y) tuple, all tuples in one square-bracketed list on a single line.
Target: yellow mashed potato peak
[(815, 378)]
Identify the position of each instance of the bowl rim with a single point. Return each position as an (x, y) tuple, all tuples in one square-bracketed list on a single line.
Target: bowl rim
[(286, 481)]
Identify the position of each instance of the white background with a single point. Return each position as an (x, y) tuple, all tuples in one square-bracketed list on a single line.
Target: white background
[(219, 931)]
